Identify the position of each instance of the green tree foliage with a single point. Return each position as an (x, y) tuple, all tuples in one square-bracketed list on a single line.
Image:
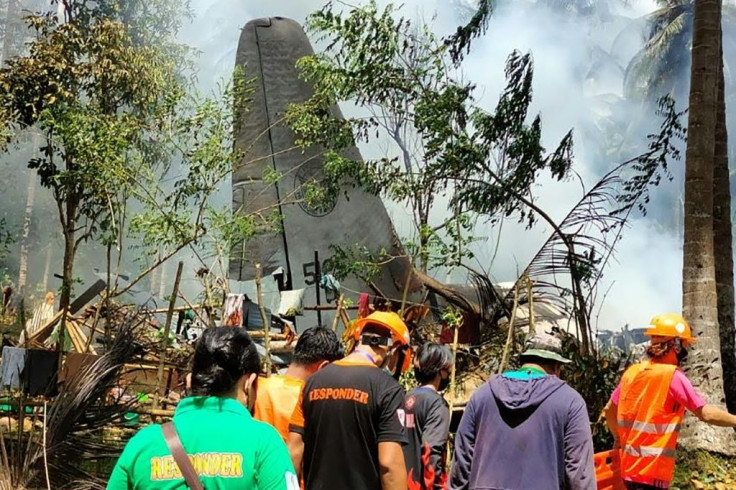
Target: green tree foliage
[(443, 145), (130, 149)]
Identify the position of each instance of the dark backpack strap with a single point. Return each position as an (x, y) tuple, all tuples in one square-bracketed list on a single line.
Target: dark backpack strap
[(180, 456)]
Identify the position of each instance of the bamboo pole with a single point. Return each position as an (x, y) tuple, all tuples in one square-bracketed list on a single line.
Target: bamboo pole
[(406, 291), (93, 328), (329, 308), (338, 312), (167, 329), (264, 319), (177, 309), (452, 386), (510, 337), (208, 300)]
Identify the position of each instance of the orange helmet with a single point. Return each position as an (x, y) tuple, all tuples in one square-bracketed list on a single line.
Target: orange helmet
[(670, 325), (394, 324)]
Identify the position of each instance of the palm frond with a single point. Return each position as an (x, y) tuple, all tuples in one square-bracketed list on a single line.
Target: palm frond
[(568, 267), (75, 419)]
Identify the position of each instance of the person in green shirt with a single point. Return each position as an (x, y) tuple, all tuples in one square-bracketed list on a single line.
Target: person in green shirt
[(226, 446)]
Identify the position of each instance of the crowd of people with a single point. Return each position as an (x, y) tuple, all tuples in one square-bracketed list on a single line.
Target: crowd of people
[(336, 421)]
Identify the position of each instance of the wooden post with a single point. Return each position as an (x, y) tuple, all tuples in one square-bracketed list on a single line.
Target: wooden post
[(317, 281), (167, 329), (23, 319), (338, 312), (510, 337), (264, 318), (208, 300), (406, 291)]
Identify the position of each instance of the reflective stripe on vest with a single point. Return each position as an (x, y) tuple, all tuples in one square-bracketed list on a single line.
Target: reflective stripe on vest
[(647, 451), (649, 428), (648, 423)]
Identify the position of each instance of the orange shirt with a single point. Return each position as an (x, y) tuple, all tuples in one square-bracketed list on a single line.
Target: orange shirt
[(276, 399)]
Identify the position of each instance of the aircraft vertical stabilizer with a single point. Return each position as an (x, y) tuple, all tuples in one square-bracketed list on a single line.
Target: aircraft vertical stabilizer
[(268, 51)]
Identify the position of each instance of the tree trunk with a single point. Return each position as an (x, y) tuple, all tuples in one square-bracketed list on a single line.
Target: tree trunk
[(47, 267), (66, 283), (23, 266), (698, 276), (30, 199), (723, 246)]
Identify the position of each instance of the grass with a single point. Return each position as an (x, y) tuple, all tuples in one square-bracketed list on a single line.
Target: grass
[(701, 470)]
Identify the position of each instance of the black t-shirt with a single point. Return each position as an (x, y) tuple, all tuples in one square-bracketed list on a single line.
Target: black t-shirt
[(346, 409), (427, 427)]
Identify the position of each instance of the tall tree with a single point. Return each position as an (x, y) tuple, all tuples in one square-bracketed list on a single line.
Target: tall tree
[(723, 244), (698, 275)]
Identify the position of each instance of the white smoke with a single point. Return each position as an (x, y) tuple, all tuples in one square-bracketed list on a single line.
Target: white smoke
[(645, 279)]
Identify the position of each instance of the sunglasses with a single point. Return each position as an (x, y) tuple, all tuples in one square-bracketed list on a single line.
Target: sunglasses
[(375, 340)]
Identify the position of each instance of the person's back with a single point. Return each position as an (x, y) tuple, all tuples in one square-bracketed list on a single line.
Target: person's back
[(228, 449), (646, 409), (526, 429), (277, 397), (427, 428), (428, 419), (521, 443), (347, 409)]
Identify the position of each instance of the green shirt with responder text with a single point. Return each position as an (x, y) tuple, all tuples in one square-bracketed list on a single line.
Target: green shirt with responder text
[(227, 447)]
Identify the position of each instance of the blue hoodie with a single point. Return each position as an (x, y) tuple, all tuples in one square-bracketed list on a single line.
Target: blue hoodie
[(528, 432)]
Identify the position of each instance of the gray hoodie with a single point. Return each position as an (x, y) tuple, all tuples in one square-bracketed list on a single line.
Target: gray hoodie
[(524, 432)]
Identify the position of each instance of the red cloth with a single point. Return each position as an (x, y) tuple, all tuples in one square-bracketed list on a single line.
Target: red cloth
[(363, 305)]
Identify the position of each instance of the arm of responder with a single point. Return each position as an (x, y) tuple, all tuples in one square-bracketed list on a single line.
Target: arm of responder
[(713, 415), (611, 413), (684, 393), (578, 443), (436, 430), (295, 441), (462, 458), (391, 438), (392, 465)]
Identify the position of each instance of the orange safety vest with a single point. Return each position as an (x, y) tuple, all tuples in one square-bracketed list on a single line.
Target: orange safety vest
[(648, 424), (276, 400)]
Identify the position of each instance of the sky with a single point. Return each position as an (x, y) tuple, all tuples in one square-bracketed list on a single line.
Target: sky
[(645, 278)]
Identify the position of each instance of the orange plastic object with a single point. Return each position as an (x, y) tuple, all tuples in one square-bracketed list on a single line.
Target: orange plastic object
[(608, 470)]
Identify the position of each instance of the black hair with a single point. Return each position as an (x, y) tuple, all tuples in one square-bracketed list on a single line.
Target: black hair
[(223, 355), (317, 344), (430, 359), (377, 329)]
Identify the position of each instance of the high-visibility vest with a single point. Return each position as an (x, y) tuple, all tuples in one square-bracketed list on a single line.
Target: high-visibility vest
[(648, 424)]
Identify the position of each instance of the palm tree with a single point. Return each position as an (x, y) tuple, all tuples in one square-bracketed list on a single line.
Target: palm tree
[(662, 66), (698, 275), (723, 244), (659, 68)]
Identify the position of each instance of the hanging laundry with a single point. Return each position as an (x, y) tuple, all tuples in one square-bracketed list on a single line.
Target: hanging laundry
[(331, 287), (364, 305), (40, 372), (232, 314), (12, 365)]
